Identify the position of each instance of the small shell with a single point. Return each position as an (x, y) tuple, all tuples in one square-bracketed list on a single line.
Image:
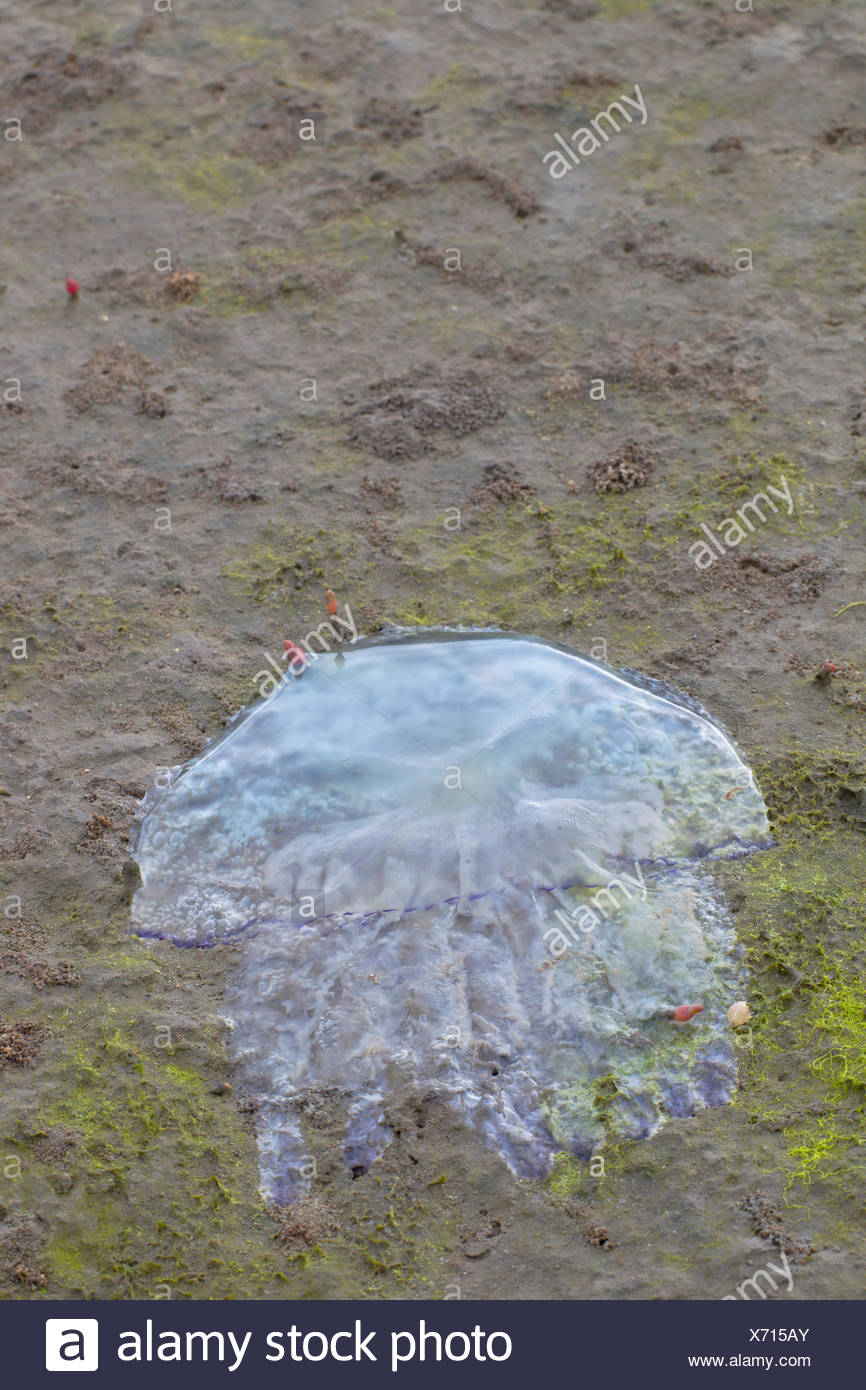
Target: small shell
[(739, 1013)]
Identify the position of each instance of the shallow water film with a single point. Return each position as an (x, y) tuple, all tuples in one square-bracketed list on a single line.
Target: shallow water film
[(473, 865)]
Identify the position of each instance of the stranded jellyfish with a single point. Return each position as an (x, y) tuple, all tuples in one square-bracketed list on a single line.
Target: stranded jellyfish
[(465, 864)]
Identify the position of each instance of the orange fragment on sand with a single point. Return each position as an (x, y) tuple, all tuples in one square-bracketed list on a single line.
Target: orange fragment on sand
[(683, 1012), (331, 602)]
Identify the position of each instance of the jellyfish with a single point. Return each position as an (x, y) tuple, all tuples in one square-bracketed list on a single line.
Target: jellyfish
[(473, 865)]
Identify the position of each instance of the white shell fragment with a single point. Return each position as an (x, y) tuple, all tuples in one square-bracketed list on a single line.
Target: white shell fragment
[(739, 1013)]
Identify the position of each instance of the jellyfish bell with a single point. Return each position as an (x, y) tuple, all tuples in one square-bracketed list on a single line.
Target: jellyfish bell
[(395, 843)]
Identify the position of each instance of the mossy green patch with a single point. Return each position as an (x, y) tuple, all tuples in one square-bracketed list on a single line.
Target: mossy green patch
[(585, 92), (164, 1196), (803, 924), (567, 1176), (240, 41), (147, 1136), (522, 558), (445, 88), (683, 119), (619, 9), (184, 165), (289, 558)]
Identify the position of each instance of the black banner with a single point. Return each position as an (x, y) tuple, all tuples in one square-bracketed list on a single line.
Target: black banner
[(489, 1344)]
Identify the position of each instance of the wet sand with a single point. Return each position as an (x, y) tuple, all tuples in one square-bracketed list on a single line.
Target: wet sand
[(403, 361)]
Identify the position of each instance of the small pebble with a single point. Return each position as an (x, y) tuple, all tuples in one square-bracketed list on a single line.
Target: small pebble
[(739, 1013)]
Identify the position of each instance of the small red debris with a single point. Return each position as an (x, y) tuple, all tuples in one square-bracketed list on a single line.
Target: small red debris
[(683, 1012), (296, 657), (71, 286), (331, 602), (827, 671)]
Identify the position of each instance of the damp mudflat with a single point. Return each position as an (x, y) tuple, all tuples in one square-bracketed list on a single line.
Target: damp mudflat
[(330, 262), (473, 864)]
